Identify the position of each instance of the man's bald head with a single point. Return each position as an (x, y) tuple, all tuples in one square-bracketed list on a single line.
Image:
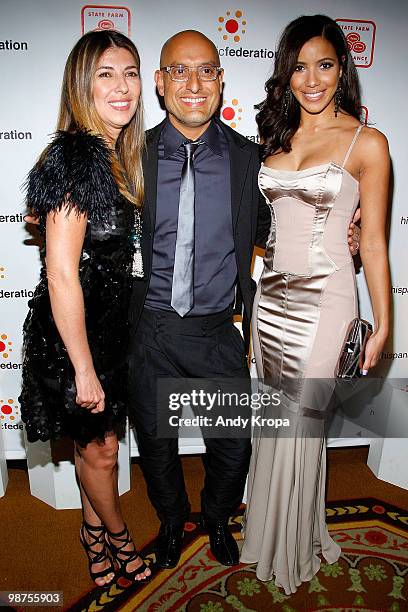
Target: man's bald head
[(185, 39), (190, 103)]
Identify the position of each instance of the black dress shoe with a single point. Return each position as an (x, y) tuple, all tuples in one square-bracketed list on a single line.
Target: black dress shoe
[(223, 546), (168, 545)]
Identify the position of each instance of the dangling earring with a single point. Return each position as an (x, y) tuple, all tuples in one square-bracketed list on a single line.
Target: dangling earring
[(286, 100), (337, 99)]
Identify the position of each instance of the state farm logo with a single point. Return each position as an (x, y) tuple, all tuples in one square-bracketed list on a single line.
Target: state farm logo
[(9, 411), (95, 17), (105, 24), (6, 346), (354, 43), (232, 25), (360, 36), (231, 112)]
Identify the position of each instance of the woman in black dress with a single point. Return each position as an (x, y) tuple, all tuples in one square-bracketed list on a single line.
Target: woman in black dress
[(86, 190)]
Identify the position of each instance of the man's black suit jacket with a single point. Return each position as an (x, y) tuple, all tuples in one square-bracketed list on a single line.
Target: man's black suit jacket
[(250, 217)]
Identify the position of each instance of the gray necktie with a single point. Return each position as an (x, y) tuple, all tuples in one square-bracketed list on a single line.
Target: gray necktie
[(182, 293)]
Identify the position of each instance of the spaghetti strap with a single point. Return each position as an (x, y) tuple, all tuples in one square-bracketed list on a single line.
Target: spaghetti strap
[(358, 130)]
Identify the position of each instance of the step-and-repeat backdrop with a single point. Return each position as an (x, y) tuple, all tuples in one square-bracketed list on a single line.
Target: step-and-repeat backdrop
[(35, 39)]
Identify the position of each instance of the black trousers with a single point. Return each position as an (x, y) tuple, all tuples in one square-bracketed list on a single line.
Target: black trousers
[(166, 345)]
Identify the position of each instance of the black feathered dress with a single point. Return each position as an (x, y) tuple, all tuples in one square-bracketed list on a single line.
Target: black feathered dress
[(76, 170)]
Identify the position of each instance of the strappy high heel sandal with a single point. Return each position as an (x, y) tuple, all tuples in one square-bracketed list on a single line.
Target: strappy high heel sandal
[(96, 535), (124, 557)]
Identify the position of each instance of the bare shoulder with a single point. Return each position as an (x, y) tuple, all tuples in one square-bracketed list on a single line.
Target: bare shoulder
[(371, 151), (373, 141)]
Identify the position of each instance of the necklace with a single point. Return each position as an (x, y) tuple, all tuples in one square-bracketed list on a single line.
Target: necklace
[(135, 237)]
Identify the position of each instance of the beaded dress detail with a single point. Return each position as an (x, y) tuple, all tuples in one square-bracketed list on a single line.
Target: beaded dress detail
[(76, 169)]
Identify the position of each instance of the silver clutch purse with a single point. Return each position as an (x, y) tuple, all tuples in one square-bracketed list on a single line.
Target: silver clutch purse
[(352, 354)]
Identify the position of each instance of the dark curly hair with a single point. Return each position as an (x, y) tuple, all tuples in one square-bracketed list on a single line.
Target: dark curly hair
[(277, 129)]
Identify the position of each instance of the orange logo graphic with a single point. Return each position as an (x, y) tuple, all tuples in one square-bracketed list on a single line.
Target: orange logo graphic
[(360, 36), (5, 346), (95, 17), (9, 410), (231, 112), (232, 25), (2, 272)]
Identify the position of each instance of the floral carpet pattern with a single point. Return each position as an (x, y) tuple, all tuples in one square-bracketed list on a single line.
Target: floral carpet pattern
[(371, 574)]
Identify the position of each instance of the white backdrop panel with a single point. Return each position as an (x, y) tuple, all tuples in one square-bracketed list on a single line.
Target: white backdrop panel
[(35, 39)]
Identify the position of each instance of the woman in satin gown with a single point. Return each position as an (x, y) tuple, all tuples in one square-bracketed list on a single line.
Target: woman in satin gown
[(85, 191), (319, 162)]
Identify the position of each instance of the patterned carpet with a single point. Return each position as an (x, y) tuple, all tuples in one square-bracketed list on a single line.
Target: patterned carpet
[(371, 574)]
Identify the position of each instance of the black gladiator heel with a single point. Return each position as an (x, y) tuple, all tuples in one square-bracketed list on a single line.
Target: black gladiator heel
[(97, 536), (124, 557)]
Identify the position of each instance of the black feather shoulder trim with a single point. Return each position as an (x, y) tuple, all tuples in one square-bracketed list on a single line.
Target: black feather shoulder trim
[(75, 171)]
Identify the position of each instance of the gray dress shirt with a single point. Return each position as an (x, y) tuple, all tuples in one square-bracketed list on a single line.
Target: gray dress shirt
[(215, 268)]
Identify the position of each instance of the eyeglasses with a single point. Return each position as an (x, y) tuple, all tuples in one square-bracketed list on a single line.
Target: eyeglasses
[(181, 73)]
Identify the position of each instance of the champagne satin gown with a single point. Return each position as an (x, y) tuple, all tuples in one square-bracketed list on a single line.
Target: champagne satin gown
[(305, 300)]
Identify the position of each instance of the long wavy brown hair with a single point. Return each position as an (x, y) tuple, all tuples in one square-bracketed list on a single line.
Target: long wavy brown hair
[(77, 109), (277, 127)]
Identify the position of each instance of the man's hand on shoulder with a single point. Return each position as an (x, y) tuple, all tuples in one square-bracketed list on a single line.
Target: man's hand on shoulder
[(31, 218)]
